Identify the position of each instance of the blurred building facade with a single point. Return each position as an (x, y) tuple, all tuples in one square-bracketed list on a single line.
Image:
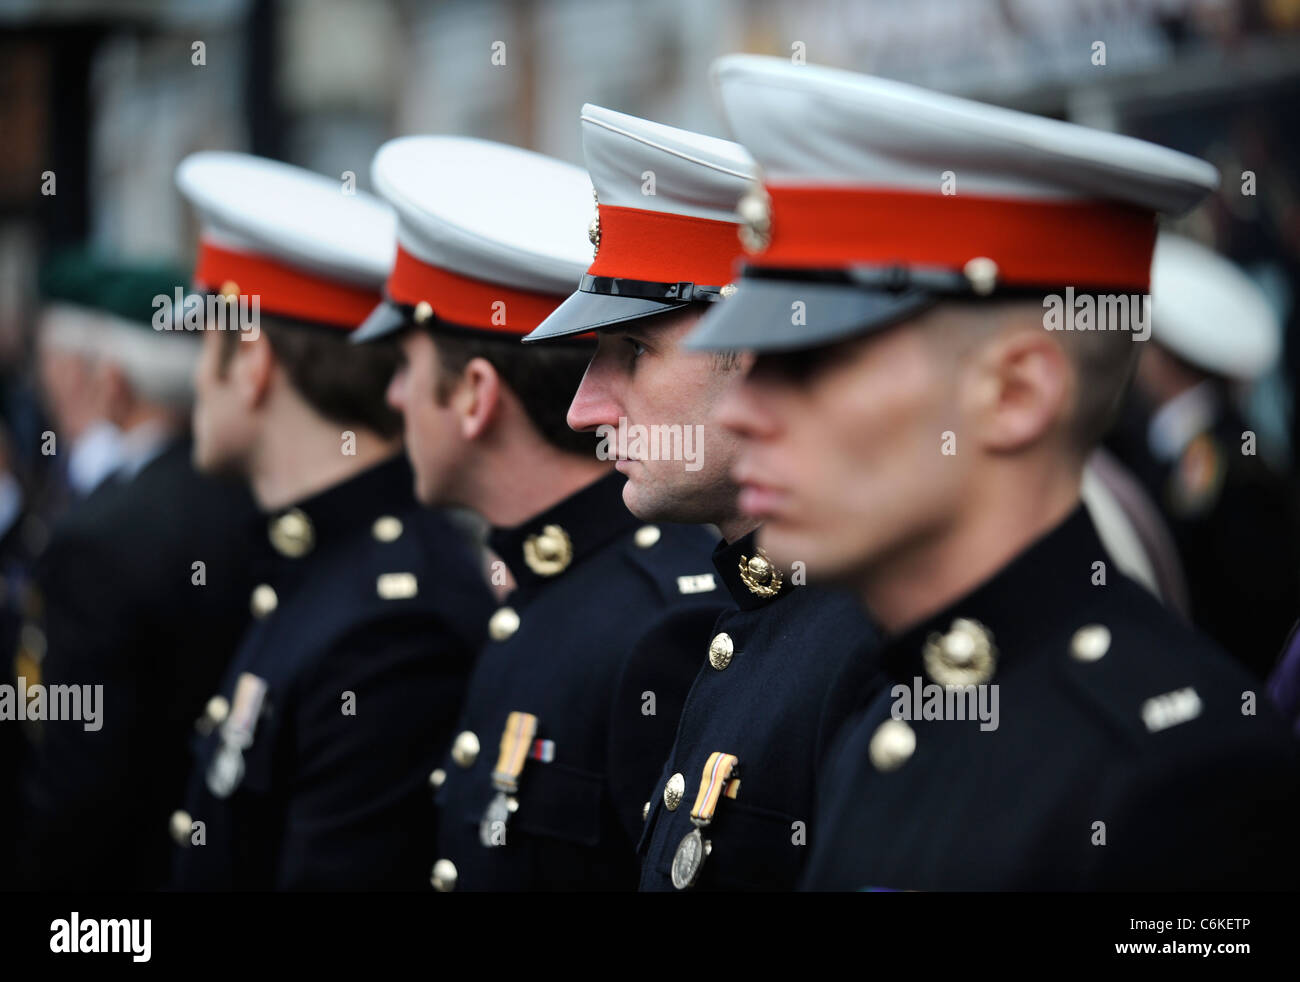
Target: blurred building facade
[(107, 96)]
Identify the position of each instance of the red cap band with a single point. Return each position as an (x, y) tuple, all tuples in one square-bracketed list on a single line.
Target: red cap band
[(664, 247), (1034, 243), (282, 289), (466, 301)]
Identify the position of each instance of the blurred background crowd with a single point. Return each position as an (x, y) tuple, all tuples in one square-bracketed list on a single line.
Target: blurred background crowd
[(101, 99)]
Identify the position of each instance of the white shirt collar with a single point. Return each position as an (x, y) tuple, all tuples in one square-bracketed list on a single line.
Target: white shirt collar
[(1179, 420), (95, 455)]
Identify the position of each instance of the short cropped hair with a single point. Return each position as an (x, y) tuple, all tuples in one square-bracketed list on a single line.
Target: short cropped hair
[(544, 377), (343, 382)]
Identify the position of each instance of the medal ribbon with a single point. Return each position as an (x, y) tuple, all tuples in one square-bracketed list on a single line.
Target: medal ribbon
[(715, 781), (516, 742)]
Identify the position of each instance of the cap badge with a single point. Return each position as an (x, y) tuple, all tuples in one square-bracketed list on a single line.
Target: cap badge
[(963, 656), (593, 230), (982, 275), (755, 211), (760, 577), (292, 533), (548, 552)]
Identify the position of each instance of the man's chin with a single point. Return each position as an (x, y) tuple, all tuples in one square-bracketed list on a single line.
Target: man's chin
[(819, 562)]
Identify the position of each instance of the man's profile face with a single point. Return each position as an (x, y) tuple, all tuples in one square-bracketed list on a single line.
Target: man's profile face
[(433, 440), (223, 422), (641, 381), (842, 454)]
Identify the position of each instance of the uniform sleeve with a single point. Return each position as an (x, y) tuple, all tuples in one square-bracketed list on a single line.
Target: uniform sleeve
[(1222, 819), (370, 724), (73, 779)]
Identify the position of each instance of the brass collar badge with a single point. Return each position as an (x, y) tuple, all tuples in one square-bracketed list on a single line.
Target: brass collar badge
[(548, 552), (292, 534), (760, 577), (964, 656)]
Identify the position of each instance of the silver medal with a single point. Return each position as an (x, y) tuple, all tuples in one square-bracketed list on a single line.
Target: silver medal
[(495, 818), (226, 770), (689, 858)]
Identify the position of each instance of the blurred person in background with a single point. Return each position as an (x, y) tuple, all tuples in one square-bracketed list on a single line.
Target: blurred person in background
[(74, 377), (313, 757), (140, 589), (1234, 517)]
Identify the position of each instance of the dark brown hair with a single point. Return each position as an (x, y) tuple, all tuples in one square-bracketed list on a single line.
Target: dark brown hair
[(343, 382), (543, 377)]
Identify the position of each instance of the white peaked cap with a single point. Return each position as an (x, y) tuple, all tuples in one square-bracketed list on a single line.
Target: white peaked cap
[(490, 237), (666, 229), (693, 174), (1210, 313), (881, 197), (308, 247)]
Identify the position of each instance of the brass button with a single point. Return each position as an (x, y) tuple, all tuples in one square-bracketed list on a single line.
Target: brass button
[(229, 290), (548, 552), (292, 533), (217, 709), (647, 535), (181, 825), (437, 778), (263, 601), (673, 791), (504, 623), (465, 750), (758, 574), (423, 311), (387, 528), (891, 745), (963, 656), (721, 650), (645, 810), (444, 876), (728, 290), (1090, 643)]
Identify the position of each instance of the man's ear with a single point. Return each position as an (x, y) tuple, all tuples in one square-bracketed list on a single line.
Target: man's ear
[(252, 366), (477, 397), (1021, 387)]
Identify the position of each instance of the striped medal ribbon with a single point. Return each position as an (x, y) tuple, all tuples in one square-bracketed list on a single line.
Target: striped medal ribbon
[(516, 747), (719, 780)]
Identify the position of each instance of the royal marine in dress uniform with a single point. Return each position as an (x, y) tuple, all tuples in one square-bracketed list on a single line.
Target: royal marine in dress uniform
[(1130, 751), (756, 710), (562, 731), (312, 756)]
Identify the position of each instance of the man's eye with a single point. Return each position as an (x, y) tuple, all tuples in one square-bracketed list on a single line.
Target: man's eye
[(638, 349)]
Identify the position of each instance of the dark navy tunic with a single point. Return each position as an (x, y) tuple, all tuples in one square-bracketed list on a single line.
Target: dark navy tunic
[(591, 580), (369, 612), (1129, 752), (772, 706)]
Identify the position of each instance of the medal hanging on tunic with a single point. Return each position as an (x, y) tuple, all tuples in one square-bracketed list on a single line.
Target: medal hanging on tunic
[(516, 744), (718, 780), (227, 768)]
